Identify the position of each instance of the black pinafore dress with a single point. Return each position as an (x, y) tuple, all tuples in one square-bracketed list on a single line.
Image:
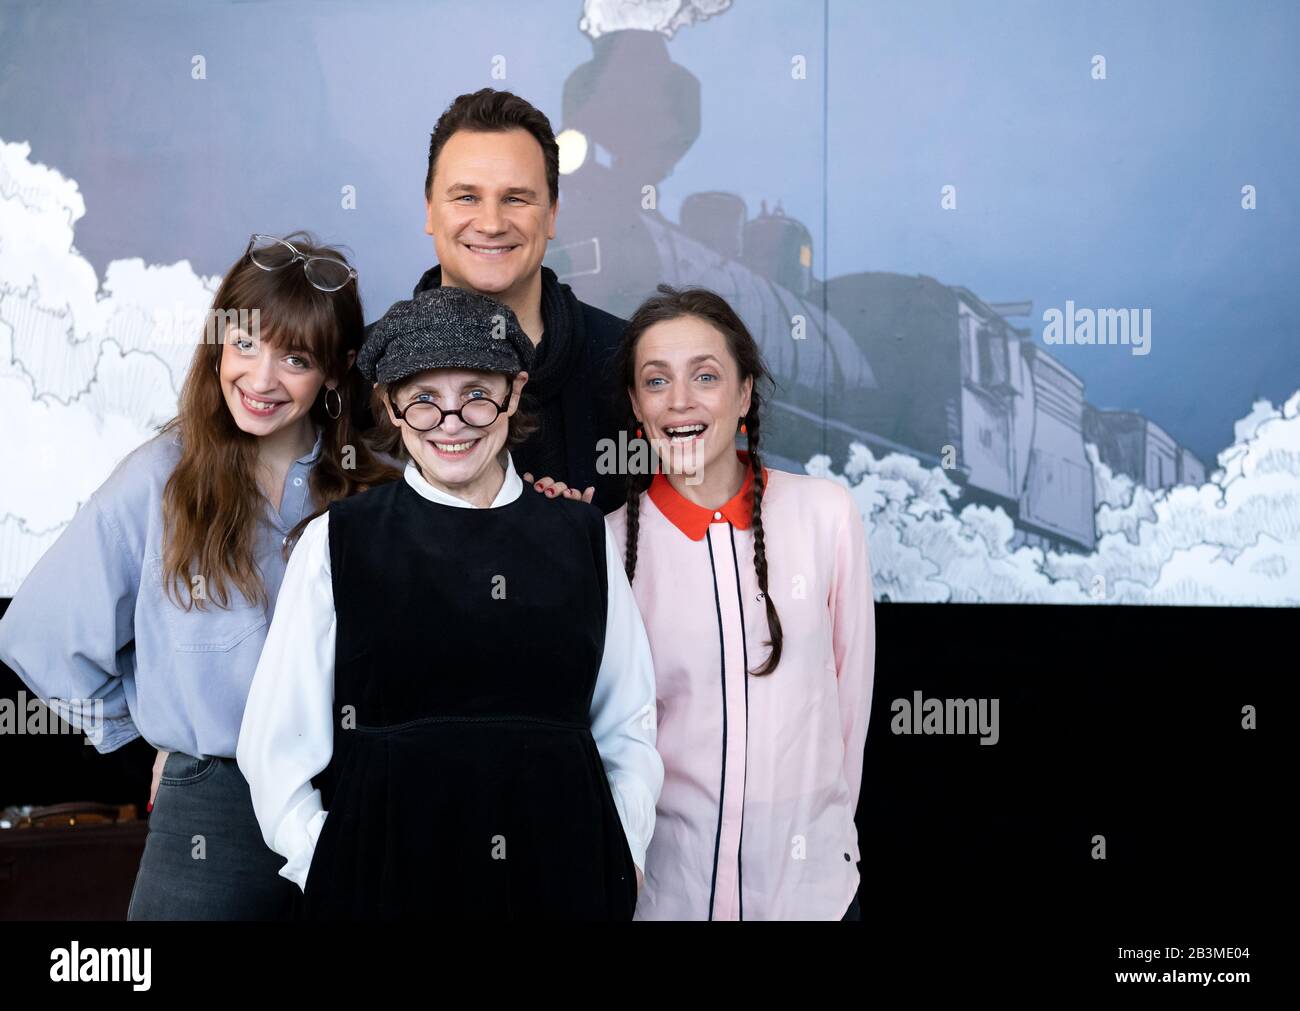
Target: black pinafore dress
[(465, 781)]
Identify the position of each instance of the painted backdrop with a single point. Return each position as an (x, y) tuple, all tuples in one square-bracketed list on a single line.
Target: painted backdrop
[(1020, 268)]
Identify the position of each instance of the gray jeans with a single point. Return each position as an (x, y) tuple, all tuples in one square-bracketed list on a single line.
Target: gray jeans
[(204, 858)]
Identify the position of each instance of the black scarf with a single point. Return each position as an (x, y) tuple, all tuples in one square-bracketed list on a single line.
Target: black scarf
[(559, 358)]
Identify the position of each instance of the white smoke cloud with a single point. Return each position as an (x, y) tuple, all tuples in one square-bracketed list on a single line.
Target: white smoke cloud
[(88, 370), (1234, 540), (599, 17)]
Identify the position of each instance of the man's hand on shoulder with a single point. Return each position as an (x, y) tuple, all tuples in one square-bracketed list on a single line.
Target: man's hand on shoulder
[(552, 488)]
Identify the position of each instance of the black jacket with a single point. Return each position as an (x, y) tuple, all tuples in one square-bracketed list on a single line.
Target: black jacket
[(589, 406)]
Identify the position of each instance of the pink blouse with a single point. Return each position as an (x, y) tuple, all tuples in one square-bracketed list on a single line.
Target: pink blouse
[(761, 774)]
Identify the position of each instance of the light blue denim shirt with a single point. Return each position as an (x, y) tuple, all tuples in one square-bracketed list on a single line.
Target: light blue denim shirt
[(91, 621)]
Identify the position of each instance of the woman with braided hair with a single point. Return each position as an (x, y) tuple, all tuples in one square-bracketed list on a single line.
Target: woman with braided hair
[(756, 594)]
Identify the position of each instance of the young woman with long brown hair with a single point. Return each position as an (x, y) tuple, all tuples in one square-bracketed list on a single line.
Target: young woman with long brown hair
[(755, 590), (152, 606)]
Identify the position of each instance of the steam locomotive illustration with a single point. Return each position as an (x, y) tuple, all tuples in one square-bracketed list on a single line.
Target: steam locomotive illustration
[(898, 363)]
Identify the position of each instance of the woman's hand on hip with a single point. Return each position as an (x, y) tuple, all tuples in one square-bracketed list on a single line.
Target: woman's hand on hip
[(158, 764)]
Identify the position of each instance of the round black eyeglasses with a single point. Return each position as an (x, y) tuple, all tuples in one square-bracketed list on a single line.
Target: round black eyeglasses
[(425, 416)]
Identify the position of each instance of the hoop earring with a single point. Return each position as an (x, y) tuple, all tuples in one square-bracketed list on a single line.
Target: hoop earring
[(338, 411)]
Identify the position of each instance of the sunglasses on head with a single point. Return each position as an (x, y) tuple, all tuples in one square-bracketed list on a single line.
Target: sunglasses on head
[(328, 273)]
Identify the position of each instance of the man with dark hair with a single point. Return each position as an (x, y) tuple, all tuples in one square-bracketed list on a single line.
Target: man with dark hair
[(491, 194)]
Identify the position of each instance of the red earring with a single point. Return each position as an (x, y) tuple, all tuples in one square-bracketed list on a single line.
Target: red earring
[(743, 429), (638, 431)]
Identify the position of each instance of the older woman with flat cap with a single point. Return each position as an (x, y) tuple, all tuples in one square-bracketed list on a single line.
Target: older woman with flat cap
[(461, 667)]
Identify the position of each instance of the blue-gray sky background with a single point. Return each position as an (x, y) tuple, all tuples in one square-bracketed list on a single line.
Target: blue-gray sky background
[(1115, 193)]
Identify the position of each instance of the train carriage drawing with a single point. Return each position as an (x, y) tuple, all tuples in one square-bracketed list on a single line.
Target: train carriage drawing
[(898, 363)]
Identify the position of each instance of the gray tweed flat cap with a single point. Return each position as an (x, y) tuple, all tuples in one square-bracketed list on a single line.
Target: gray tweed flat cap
[(444, 328)]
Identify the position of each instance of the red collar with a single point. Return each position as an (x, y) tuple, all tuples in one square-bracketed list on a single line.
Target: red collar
[(693, 520)]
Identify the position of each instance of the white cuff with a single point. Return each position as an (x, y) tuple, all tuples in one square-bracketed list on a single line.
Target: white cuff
[(303, 847), (636, 811)]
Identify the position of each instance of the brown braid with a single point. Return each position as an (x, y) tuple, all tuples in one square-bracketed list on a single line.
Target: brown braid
[(636, 484), (760, 549), (673, 303)]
